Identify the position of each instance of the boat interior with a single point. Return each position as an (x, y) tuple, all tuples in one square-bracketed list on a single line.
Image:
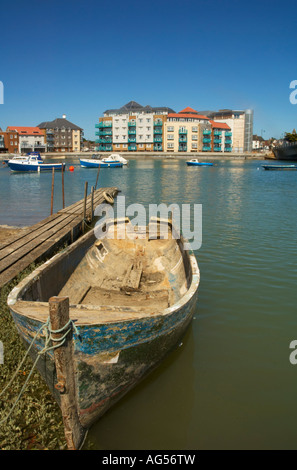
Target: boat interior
[(128, 272)]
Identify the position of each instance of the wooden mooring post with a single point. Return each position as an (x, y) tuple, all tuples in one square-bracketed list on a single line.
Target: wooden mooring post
[(52, 194), (59, 319)]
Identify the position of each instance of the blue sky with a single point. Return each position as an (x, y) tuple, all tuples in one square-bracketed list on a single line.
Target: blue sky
[(81, 57)]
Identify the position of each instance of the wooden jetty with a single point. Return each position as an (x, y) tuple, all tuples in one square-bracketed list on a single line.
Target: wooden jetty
[(42, 239)]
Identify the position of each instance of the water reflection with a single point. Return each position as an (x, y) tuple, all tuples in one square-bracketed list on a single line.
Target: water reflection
[(153, 415)]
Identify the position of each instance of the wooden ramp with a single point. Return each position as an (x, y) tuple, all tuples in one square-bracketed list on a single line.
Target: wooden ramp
[(41, 240)]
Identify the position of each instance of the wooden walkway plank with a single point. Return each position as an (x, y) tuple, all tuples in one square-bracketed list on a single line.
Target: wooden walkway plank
[(45, 237)]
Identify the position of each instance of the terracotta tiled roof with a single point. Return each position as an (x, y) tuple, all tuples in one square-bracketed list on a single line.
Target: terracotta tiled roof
[(26, 130), (219, 125), (186, 115)]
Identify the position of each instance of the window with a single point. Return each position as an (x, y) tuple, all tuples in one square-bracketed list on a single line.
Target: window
[(194, 129), (194, 146), (170, 136), (170, 128), (194, 137), (170, 145)]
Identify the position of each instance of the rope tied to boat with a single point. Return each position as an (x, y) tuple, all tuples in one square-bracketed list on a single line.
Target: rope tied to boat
[(67, 328)]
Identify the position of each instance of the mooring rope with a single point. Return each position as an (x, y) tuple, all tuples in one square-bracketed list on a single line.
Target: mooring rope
[(48, 338)]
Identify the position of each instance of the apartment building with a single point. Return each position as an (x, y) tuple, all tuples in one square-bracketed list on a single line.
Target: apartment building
[(240, 124), (143, 128), (62, 135), (182, 131), (9, 141), (31, 139), (132, 127)]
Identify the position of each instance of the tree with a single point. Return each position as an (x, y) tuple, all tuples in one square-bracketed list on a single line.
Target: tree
[(291, 136)]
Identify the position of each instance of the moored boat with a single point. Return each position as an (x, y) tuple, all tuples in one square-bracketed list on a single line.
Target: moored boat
[(95, 163), (115, 157), (195, 162), (132, 298), (32, 163), (279, 167)]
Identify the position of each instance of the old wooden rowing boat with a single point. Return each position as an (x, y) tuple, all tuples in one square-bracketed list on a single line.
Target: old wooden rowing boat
[(131, 300)]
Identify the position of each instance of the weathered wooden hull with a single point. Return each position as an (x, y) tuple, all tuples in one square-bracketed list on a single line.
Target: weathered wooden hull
[(110, 356)]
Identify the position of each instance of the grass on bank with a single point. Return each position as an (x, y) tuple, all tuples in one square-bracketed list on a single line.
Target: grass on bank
[(36, 422)]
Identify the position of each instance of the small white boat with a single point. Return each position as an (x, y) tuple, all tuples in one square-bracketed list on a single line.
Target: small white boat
[(115, 157), (195, 162)]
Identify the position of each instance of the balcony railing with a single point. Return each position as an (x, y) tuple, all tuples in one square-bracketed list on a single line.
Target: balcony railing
[(228, 141), (182, 139), (157, 131), (217, 133), (104, 124), (104, 133), (132, 139), (158, 147), (132, 147), (217, 141), (206, 148), (107, 147), (206, 140), (105, 140), (158, 139), (206, 132), (158, 122), (182, 148), (131, 124), (228, 133), (228, 149), (217, 149), (131, 131), (182, 131)]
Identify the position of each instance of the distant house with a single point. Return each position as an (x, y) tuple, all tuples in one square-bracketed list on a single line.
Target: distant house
[(9, 141), (258, 142), (31, 139), (62, 135)]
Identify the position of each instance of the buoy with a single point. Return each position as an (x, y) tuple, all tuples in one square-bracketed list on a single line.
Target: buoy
[(71, 168)]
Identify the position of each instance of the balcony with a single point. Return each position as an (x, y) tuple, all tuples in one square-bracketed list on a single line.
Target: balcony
[(182, 139), (131, 124), (206, 132), (158, 122), (105, 140), (104, 124), (217, 149), (228, 134), (228, 149), (104, 133), (132, 139), (131, 131), (158, 139), (182, 148), (105, 148), (228, 141), (217, 141), (158, 147), (182, 131), (206, 140), (158, 131), (132, 147), (217, 133), (97, 126), (206, 148)]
